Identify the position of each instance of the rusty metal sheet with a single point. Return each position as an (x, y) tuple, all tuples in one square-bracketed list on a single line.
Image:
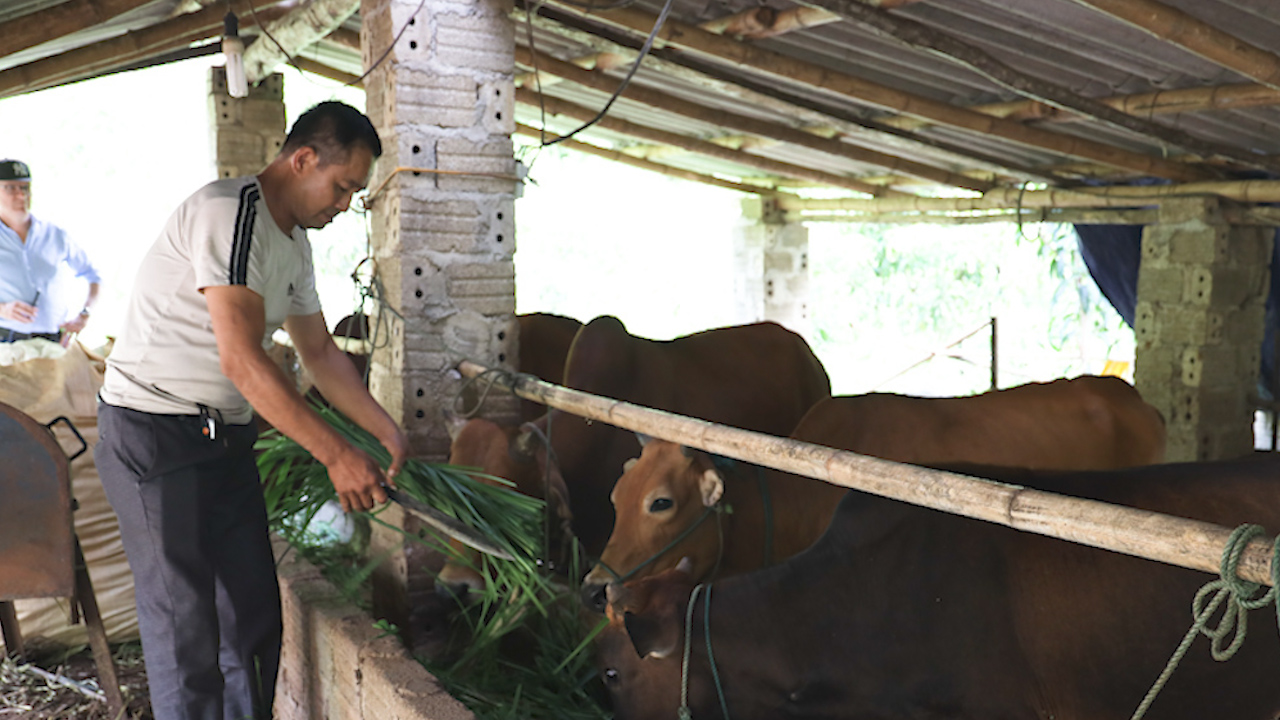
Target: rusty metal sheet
[(37, 552)]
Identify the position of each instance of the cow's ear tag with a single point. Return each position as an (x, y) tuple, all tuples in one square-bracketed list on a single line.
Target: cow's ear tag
[(712, 487)]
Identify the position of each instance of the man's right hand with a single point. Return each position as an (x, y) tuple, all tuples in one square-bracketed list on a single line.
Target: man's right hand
[(18, 311), (357, 480)]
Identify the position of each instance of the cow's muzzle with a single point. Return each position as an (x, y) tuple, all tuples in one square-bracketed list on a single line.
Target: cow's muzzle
[(593, 596)]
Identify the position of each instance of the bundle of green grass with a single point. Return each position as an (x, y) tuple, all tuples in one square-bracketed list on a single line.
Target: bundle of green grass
[(557, 679)]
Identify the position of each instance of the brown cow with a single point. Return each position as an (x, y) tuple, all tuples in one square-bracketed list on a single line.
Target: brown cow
[(904, 612), (761, 377), (1081, 424)]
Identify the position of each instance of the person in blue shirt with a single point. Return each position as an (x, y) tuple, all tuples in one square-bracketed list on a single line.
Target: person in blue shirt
[(32, 253)]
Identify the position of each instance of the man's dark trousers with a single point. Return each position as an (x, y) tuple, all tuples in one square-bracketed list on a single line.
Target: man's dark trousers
[(195, 531)]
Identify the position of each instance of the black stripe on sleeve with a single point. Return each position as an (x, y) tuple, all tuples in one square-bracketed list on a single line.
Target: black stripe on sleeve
[(243, 235)]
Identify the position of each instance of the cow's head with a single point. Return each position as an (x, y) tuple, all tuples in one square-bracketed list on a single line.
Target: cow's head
[(639, 652), (664, 503), (510, 452)]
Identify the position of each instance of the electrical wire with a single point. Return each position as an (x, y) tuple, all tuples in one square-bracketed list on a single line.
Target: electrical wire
[(644, 50)]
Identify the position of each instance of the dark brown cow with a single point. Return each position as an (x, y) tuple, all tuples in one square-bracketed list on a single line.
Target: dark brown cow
[(484, 444), (1087, 423), (904, 612)]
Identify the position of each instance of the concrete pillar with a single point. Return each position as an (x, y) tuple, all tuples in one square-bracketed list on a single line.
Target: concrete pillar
[(444, 243), (248, 131), (771, 267), (1201, 298)]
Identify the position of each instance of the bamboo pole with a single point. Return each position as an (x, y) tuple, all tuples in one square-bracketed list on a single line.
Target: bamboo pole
[(1155, 536), (42, 26), (866, 91), (1044, 215), (618, 156), (1187, 100), (103, 56), (670, 103), (1258, 191), (701, 147), (923, 37), (1192, 34)]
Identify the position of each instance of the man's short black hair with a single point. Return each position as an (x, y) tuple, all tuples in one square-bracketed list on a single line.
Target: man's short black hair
[(332, 128)]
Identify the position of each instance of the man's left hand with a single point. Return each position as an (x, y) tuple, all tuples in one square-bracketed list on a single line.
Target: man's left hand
[(75, 324)]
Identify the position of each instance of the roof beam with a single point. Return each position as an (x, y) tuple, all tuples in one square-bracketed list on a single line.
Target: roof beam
[(288, 35), (866, 91), (925, 38), (1186, 100), (621, 157), (1252, 191), (742, 123), (557, 106), (118, 51), (1192, 34), (58, 21), (764, 21)]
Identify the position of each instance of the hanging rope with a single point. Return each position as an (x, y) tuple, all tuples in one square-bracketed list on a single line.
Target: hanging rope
[(684, 713), (1228, 587)]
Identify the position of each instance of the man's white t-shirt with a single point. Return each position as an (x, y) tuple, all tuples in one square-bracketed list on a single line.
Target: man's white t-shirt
[(166, 359)]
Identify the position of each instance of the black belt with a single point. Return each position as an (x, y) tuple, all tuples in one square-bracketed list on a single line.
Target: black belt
[(15, 336)]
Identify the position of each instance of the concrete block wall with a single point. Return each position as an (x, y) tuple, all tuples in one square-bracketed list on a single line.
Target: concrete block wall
[(248, 131), (1199, 325), (443, 229), (771, 267), (336, 665)]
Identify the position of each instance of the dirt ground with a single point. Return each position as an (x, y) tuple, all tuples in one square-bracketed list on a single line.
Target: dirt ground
[(25, 695)]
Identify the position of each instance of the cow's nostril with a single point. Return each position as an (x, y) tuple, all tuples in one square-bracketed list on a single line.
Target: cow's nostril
[(593, 597)]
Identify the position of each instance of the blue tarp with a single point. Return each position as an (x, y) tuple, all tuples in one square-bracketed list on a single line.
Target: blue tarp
[(1112, 254)]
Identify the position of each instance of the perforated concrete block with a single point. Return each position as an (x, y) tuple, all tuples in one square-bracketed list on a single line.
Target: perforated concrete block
[(1161, 285), (476, 41)]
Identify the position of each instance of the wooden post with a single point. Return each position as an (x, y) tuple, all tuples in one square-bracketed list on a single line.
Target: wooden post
[(1155, 536)]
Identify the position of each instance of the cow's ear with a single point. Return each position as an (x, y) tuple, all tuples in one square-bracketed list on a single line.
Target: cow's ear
[(649, 636), (453, 422), (712, 487)]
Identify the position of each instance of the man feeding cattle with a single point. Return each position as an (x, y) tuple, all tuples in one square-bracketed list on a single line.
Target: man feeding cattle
[(189, 369)]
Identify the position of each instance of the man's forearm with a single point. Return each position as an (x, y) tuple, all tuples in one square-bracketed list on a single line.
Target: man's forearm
[(272, 396), (340, 383)]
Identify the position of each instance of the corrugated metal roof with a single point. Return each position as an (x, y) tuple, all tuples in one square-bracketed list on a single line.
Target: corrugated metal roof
[(1062, 42)]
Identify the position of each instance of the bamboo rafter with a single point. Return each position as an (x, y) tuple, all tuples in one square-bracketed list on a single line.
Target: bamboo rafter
[(621, 157), (58, 21), (775, 64), (670, 103), (561, 107), (1192, 34), (1164, 538), (1249, 191), (131, 47)]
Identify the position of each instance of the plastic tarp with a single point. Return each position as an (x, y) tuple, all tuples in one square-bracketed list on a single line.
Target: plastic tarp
[(40, 379), (1113, 252)]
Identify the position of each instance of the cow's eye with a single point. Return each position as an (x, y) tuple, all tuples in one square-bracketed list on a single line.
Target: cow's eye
[(610, 676), (660, 505)]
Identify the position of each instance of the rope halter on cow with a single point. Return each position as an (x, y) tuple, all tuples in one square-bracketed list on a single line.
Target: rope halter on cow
[(684, 713), (716, 510), (1240, 594)]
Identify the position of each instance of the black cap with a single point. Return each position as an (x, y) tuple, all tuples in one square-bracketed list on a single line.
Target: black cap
[(14, 170)]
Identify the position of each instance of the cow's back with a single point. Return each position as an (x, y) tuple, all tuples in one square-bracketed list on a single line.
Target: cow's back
[(1086, 423), (544, 345)]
